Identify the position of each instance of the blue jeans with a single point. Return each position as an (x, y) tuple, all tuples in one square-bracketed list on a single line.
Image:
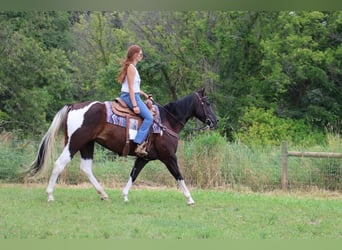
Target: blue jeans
[(144, 113)]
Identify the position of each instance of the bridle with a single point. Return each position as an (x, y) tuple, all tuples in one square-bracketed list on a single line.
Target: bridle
[(204, 111)]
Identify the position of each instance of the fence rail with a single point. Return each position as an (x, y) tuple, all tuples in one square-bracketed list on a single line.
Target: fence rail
[(285, 154)]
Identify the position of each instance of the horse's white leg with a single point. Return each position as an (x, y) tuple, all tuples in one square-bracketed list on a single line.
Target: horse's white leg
[(186, 192), (86, 167), (60, 164), (126, 189)]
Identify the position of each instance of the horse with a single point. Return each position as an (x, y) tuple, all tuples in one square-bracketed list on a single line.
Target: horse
[(85, 123)]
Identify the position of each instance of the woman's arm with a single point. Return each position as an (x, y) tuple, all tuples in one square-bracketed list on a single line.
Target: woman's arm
[(130, 78), (144, 94)]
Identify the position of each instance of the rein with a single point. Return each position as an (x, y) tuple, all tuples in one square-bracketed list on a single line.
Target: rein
[(164, 128), (175, 118)]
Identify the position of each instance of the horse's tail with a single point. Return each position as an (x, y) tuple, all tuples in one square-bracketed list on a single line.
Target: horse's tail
[(46, 147)]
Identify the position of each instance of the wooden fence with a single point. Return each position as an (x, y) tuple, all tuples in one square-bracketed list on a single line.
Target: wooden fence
[(285, 154)]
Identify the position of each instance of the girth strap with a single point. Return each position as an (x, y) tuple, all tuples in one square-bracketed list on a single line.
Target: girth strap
[(167, 130)]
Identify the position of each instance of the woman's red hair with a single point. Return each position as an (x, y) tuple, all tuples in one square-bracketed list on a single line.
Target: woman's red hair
[(131, 51)]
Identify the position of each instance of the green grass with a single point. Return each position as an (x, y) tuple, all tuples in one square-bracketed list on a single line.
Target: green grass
[(78, 213)]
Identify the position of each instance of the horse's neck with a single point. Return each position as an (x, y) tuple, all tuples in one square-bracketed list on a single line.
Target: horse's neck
[(178, 113)]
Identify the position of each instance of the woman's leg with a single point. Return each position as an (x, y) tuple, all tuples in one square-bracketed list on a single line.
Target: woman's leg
[(147, 121), (146, 124)]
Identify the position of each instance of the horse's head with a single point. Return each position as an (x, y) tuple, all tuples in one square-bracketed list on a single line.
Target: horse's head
[(203, 109)]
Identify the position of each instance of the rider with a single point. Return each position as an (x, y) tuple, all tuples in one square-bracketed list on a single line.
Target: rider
[(130, 92)]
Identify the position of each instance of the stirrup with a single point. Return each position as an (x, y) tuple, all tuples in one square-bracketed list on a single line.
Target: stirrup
[(141, 149)]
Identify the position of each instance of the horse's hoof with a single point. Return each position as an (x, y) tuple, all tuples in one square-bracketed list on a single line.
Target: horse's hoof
[(50, 199), (191, 204), (125, 197)]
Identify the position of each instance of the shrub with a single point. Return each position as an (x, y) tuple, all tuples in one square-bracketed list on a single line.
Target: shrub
[(262, 127)]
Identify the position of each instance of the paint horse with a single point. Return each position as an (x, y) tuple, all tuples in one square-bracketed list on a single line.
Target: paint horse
[(86, 123)]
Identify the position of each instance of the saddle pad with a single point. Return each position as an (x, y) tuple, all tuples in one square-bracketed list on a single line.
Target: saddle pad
[(121, 121)]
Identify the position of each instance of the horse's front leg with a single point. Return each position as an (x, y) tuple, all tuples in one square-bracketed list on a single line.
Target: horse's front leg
[(172, 166), (126, 189), (139, 164), (186, 192)]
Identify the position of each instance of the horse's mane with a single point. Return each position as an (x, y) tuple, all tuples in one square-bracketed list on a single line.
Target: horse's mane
[(179, 107)]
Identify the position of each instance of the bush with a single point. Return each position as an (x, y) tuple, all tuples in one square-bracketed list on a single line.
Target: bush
[(262, 127)]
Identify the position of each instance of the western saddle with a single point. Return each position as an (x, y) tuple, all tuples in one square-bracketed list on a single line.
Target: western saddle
[(120, 108)]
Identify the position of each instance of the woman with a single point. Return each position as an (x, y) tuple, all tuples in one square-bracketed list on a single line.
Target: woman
[(130, 93)]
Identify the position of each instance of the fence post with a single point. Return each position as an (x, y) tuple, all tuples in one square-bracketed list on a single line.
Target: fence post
[(284, 165)]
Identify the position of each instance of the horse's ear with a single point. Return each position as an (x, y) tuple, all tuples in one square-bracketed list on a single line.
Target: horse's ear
[(202, 91)]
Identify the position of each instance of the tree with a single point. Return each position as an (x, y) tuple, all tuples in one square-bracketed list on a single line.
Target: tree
[(35, 78), (240, 85), (301, 63), (100, 43), (287, 62), (183, 50)]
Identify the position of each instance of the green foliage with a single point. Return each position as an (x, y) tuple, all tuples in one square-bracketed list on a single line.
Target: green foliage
[(203, 157), (9, 165), (287, 61), (99, 47), (190, 54), (259, 127), (12, 158), (35, 81), (298, 69)]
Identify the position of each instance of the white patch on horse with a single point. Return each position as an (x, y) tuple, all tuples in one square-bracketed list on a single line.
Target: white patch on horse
[(76, 118), (126, 189), (86, 167), (186, 192)]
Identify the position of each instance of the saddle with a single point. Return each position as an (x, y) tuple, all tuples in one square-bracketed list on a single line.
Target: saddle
[(120, 108)]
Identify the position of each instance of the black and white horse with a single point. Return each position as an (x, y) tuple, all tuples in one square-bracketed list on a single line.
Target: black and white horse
[(86, 123)]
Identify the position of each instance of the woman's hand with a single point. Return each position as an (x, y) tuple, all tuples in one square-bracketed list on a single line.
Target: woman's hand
[(136, 109), (149, 97)]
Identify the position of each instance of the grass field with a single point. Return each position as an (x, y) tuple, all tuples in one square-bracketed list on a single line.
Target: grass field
[(78, 213)]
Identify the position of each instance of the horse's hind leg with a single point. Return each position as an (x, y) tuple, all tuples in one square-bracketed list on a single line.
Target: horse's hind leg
[(86, 166), (139, 164), (60, 164)]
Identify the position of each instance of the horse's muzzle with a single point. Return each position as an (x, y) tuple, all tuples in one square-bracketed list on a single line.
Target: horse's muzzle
[(212, 124)]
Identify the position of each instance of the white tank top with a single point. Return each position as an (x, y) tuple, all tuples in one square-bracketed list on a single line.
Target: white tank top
[(136, 82)]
